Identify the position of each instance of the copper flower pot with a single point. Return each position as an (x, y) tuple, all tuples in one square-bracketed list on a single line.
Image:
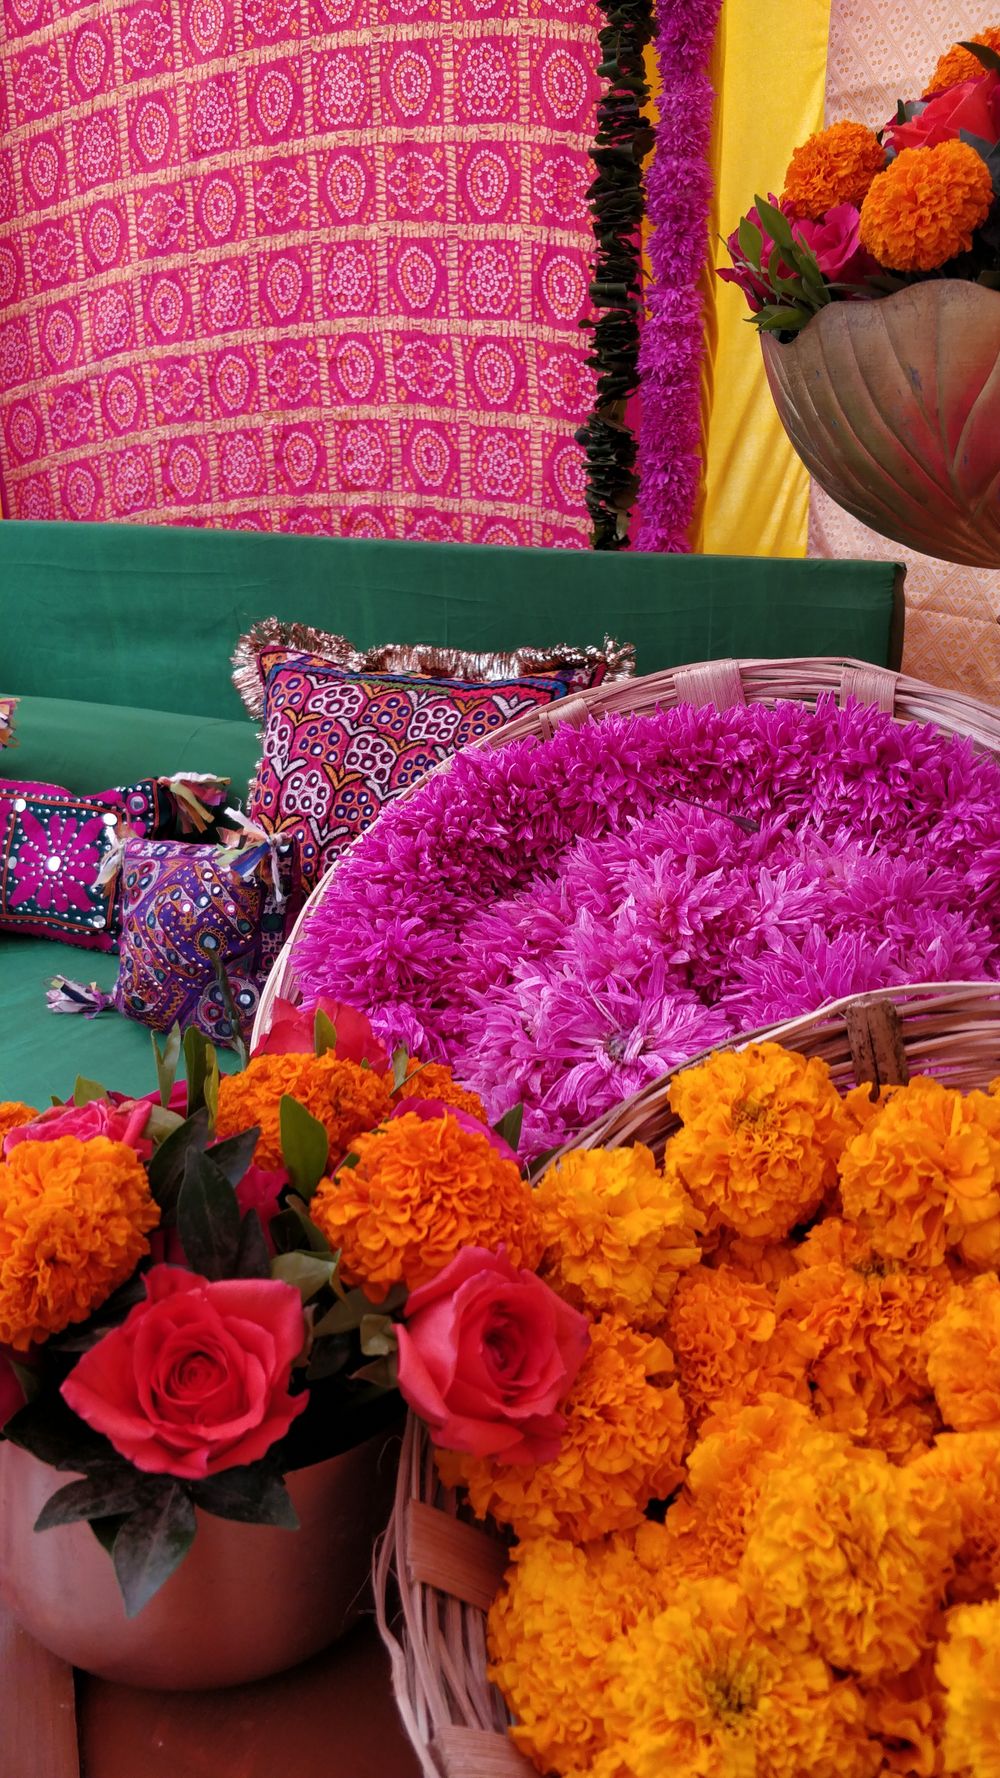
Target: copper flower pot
[(894, 406), (248, 1600)]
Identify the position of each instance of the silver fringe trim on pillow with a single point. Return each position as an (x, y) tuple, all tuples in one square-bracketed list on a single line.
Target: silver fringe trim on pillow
[(420, 660)]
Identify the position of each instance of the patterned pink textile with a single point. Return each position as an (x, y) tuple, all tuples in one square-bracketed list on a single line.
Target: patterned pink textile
[(311, 265)]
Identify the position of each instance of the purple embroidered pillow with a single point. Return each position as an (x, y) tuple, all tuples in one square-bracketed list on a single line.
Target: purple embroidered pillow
[(52, 847), (185, 910), (338, 745)]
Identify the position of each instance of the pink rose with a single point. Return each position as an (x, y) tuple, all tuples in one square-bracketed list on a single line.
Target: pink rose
[(756, 289), (260, 1189), (973, 106), (120, 1123), (487, 1355), (432, 1108), (293, 1031), (835, 244), (11, 1393), (195, 1380)]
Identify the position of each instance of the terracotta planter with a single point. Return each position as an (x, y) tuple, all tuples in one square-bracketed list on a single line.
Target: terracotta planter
[(249, 1600), (894, 407)]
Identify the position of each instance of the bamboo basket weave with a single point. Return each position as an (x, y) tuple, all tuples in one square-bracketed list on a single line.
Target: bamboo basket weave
[(722, 683), (445, 1572)]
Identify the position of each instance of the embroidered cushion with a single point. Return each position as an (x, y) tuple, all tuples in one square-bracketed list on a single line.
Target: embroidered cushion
[(186, 909), (338, 745), (52, 847), (7, 707)]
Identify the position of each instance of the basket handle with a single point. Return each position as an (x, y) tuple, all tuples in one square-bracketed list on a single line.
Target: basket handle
[(870, 685), (714, 682)]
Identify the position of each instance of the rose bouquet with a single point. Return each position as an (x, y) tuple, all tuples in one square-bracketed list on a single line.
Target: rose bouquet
[(175, 1332), (739, 1415), (864, 213)]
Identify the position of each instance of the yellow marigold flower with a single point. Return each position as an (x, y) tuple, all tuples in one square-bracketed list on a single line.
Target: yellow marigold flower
[(958, 64), (622, 1447), (73, 1222), (551, 1627), (926, 206), (867, 1320), (968, 1666), (432, 1080), (763, 1131), (422, 1189), (906, 1715), (13, 1115), (616, 1234), (963, 1359), (835, 166), (850, 1556), (707, 1526), (969, 1465), (697, 1691), (923, 1176), (728, 1347), (344, 1097)]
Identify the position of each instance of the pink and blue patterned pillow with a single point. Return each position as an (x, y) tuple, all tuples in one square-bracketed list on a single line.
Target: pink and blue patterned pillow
[(339, 745), (53, 845), (187, 910)]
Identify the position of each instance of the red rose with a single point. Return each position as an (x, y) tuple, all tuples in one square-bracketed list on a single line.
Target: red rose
[(835, 244), (973, 106), (195, 1380), (100, 1117), (293, 1032), (487, 1355), (756, 289), (260, 1189)]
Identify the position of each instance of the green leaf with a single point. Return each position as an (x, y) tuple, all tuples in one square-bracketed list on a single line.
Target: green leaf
[(150, 1544), (305, 1146), (166, 1169), (234, 1156), (104, 1494), (29, 1381), (253, 1256), (202, 1068), (378, 1336), (381, 1371), (991, 280), (86, 1091), (776, 224), (400, 1063), (984, 54), (50, 1430), (751, 242), (509, 1127), (225, 989), (988, 151), (308, 1272), (324, 1033), (166, 1062), (208, 1218), (253, 1495), (106, 1530), (782, 320), (160, 1124), (345, 1316)]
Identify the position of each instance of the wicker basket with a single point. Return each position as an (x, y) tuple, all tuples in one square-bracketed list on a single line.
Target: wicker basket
[(444, 1571), (722, 683)]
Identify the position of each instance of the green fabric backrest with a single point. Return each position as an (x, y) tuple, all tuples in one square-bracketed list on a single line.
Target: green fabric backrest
[(148, 615)]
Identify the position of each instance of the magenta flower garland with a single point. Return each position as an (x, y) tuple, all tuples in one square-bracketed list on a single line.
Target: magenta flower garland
[(564, 923), (678, 194)]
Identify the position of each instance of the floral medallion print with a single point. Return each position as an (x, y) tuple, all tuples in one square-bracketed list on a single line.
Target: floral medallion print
[(309, 268)]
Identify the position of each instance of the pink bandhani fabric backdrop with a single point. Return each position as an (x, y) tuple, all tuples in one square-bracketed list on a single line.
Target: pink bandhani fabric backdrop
[(297, 264)]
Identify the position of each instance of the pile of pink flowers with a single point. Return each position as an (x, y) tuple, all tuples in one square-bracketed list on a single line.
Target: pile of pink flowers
[(564, 922)]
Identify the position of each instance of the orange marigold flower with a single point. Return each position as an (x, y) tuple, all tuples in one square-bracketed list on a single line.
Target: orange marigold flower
[(756, 1262), (432, 1080), (707, 1526), (763, 1131), (963, 1359), (968, 1666), (422, 1189), (13, 1115), (906, 1715), (867, 1319), (850, 1556), (344, 1097), (958, 64), (73, 1222), (725, 1338), (926, 206), (616, 1234), (559, 1612), (923, 1176), (835, 166), (622, 1446), (969, 1465), (698, 1690), (861, 1108)]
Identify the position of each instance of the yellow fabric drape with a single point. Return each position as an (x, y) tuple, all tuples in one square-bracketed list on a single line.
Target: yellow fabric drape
[(769, 74)]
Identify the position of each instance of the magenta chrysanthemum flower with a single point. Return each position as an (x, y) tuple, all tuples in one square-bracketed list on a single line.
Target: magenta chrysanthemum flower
[(564, 922)]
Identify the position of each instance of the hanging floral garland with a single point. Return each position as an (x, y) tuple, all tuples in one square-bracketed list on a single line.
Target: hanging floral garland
[(623, 139)]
